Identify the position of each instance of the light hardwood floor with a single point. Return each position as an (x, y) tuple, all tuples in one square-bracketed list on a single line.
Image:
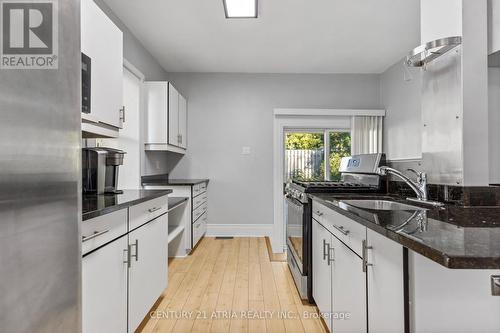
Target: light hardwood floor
[(231, 285)]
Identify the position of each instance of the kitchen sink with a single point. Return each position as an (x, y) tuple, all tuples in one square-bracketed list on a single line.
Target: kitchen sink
[(381, 205)]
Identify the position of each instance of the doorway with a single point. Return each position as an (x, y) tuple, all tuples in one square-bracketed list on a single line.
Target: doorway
[(129, 139)]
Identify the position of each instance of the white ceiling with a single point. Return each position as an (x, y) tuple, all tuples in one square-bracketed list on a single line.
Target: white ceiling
[(290, 36)]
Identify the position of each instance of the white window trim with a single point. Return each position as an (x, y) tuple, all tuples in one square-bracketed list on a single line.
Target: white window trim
[(308, 119), (328, 112)]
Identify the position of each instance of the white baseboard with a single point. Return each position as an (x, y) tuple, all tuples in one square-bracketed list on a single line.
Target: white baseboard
[(239, 230)]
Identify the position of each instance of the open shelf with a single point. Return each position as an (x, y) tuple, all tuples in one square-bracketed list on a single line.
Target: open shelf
[(174, 231)]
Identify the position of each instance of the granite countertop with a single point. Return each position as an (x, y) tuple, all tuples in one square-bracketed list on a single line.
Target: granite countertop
[(453, 236), (164, 180), (94, 205)]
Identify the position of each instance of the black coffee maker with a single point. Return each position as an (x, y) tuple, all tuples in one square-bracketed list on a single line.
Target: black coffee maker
[(100, 170)]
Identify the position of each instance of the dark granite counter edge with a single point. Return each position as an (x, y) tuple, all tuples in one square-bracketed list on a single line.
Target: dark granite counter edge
[(182, 182), (108, 210), (454, 262)]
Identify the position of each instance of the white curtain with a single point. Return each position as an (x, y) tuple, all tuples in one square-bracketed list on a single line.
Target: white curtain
[(366, 134)]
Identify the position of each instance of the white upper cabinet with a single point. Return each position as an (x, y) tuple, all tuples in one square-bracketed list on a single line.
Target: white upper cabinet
[(102, 41), (173, 116), (493, 26), (182, 122), (157, 113), (166, 118)]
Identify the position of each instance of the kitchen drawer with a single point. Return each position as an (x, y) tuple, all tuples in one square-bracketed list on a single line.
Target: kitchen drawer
[(197, 201), (319, 211), (103, 229), (346, 230), (199, 229), (199, 211), (199, 189), (147, 211)]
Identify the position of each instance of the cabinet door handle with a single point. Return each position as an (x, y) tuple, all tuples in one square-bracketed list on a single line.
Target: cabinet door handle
[(122, 111), (319, 213), (341, 229), (136, 255), (325, 245), (364, 255), (127, 259), (94, 235), (154, 209), (331, 252)]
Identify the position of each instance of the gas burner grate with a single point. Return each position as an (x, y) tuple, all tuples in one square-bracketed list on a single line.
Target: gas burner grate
[(328, 184)]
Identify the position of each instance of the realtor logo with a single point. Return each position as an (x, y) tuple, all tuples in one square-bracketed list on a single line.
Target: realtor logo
[(29, 34)]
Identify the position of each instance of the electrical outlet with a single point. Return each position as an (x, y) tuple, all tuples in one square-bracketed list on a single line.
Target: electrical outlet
[(246, 151)]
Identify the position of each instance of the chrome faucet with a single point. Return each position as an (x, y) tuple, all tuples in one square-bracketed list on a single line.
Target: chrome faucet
[(419, 186)]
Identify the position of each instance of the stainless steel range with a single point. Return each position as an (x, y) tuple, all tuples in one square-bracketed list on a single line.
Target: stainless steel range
[(358, 175)]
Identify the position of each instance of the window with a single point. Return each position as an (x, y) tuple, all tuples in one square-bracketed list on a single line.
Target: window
[(339, 146), (306, 152)]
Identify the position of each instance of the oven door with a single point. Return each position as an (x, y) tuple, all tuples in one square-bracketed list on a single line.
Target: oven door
[(295, 231)]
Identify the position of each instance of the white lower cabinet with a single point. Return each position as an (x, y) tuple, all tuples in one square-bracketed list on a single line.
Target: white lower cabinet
[(148, 269), (355, 294), (349, 290), (339, 283), (104, 289), (385, 282), (124, 278), (322, 272), (196, 216)]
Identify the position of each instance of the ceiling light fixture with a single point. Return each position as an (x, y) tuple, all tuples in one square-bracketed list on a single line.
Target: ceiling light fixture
[(240, 8)]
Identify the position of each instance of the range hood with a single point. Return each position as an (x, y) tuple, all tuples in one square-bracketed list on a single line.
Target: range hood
[(426, 53)]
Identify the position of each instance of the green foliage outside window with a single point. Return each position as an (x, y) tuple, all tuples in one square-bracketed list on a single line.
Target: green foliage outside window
[(340, 146), (306, 141)]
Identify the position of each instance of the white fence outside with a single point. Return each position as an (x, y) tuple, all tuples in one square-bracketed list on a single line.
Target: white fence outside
[(305, 164)]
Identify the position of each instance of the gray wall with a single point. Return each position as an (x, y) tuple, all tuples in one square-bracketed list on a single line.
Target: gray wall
[(400, 95), (229, 111)]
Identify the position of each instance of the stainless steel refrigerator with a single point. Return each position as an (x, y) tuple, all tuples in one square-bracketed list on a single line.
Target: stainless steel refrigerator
[(40, 209)]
